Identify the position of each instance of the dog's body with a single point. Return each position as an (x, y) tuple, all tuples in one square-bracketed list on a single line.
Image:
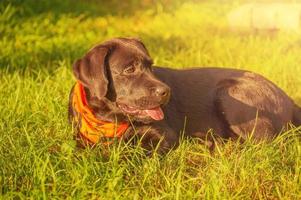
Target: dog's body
[(121, 85), (226, 101)]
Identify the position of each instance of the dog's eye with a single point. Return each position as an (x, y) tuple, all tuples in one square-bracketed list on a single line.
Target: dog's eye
[(129, 70)]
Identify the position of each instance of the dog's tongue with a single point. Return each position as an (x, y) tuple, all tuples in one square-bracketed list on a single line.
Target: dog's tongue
[(156, 113)]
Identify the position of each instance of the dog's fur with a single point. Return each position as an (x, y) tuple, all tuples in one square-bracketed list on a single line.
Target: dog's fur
[(118, 76)]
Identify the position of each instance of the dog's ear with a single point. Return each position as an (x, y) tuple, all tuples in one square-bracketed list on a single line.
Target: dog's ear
[(91, 71)]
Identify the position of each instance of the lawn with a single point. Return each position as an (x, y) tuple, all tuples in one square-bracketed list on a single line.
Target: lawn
[(39, 41)]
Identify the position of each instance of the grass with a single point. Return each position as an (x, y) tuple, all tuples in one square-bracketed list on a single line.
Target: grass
[(39, 40)]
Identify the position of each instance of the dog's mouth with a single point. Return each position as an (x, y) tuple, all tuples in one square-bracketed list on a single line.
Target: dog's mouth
[(155, 113)]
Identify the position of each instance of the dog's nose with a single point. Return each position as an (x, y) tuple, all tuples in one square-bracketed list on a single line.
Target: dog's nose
[(160, 91)]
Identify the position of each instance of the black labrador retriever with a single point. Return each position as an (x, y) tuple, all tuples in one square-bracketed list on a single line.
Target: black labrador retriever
[(120, 85)]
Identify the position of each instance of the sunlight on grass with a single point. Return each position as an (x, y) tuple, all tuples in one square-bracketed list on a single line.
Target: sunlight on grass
[(40, 41)]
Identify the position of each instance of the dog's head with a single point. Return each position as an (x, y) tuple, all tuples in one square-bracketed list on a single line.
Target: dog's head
[(118, 78)]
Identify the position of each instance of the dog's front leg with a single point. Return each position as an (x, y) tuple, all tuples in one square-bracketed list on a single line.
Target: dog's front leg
[(153, 137)]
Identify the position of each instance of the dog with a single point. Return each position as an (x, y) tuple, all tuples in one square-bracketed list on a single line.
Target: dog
[(120, 94)]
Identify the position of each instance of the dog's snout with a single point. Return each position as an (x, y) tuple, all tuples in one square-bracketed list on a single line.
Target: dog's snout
[(160, 91)]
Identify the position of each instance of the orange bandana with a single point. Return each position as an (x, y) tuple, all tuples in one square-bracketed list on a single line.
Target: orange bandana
[(92, 128)]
